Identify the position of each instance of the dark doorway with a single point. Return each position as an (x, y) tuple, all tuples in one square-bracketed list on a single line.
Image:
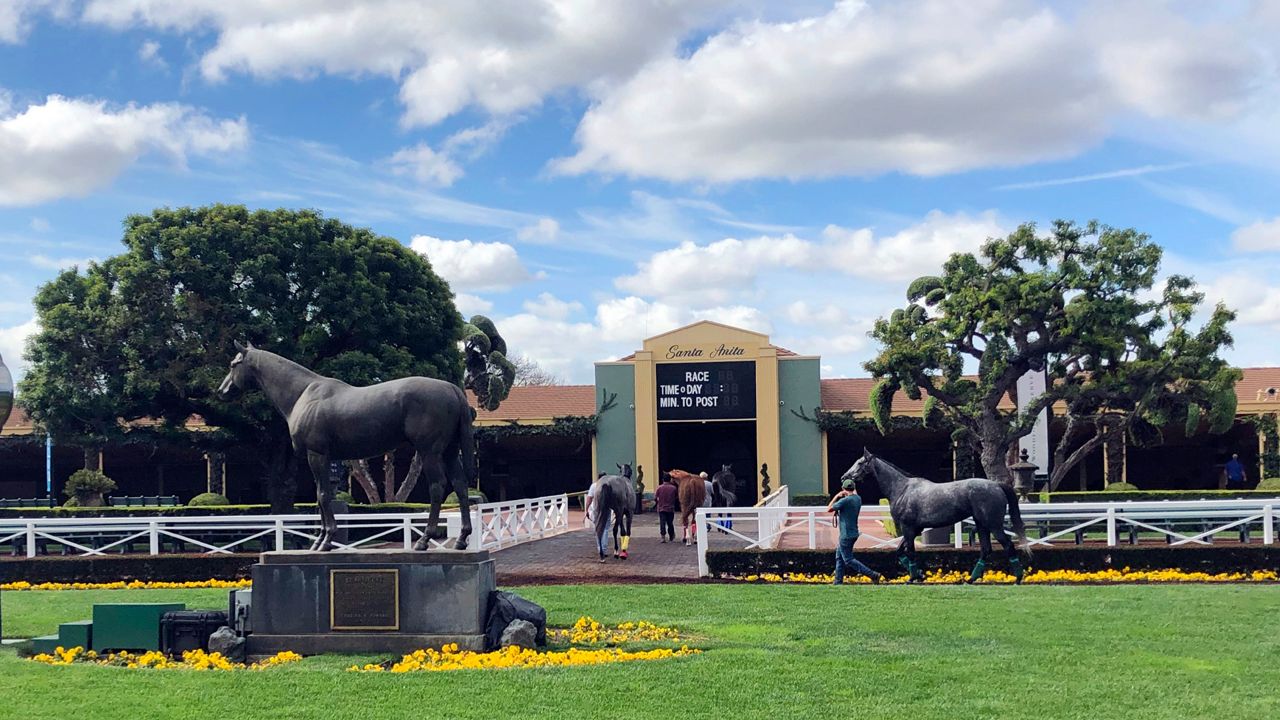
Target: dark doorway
[(705, 446)]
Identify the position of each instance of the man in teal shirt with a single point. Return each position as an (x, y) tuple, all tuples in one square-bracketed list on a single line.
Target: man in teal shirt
[(846, 505)]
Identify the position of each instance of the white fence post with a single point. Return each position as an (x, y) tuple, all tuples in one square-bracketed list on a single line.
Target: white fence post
[(1268, 526), (959, 541), (406, 534), (31, 539), (279, 534), (153, 537), (1111, 526), (700, 523), (813, 531)]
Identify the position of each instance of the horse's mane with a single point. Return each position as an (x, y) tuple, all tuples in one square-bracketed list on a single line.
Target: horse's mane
[(899, 470)]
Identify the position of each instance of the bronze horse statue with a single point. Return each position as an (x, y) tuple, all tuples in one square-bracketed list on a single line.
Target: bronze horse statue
[(917, 504), (331, 420)]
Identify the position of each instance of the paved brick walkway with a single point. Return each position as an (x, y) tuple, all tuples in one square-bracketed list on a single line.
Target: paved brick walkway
[(571, 557)]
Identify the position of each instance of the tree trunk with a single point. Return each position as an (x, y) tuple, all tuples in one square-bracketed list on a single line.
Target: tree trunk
[(994, 456), (360, 468), (93, 458), (389, 475), (411, 479), (281, 477)]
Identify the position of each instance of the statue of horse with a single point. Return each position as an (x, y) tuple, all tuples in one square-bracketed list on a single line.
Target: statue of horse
[(692, 494), (916, 504), (331, 420), (615, 499)]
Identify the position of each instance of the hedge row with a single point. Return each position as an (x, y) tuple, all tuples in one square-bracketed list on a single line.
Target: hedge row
[(187, 510), (1104, 496), (169, 568), (1144, 495), (1235, 558)]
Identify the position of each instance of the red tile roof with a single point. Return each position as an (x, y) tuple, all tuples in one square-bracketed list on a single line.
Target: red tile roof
[(546, 401), (837, 394)]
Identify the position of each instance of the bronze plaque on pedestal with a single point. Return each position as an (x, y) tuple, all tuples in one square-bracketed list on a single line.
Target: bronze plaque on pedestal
[(364, 599)]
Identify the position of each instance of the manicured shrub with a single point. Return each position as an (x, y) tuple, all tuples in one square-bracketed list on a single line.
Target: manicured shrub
[(208, 500), (110, 568), (1270, 484), (1212, 559), (452, 499), (1121, 487), (344, 497), (87, 487)]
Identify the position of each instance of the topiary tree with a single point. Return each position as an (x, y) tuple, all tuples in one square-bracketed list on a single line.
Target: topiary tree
[(1076, 304), (85, 488), (489, 374)]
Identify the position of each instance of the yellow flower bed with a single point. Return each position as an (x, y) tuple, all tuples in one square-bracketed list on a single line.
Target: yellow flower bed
[(1125, 575), (130, 585), (156, 660), (451, 658), (588, 631)]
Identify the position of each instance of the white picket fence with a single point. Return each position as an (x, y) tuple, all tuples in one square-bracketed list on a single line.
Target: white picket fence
[(494, 526), (1177, 522)]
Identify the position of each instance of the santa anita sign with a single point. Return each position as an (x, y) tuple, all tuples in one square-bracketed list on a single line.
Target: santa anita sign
[(717, 352)]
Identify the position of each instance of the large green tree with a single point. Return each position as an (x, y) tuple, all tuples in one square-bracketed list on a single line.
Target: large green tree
[(1077, 303), (149, 332)]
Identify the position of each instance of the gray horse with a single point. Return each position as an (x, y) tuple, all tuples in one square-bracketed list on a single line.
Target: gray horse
[(724, 485), (916, 504), (617, 498), (331, 420)]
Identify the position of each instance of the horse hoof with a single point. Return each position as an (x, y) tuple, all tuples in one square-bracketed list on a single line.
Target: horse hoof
[(422, 544), (460, 544)]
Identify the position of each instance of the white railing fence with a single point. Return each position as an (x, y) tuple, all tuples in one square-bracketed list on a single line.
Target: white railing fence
[(1176, 522), (494, 526)]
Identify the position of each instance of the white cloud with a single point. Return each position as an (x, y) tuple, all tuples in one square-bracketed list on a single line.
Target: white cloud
[(1261, 236), (908, 254), (149, 53), (549, 306), (40, 224), (13, 343), (50, 263), (919, 87), (68, 147), (716, 271), (426, 165), (502, 56), (730, 268), (469, 304), (544, 231), (471, 265), (15, 16)]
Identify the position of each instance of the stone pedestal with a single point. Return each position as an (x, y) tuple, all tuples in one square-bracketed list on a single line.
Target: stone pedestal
[(369, 601)]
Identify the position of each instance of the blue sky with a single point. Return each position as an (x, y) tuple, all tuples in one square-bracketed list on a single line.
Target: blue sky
[(591, 173)]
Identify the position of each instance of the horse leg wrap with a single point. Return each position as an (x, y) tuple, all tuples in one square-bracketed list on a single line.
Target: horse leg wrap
[(913, 570), (626, 543), (979, 570), (1016, 566)]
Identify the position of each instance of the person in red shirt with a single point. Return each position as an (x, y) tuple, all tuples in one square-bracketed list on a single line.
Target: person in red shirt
[(665, 498)]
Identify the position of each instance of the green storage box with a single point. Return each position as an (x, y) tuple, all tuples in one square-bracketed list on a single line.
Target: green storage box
[(76, 634), (129, 626)]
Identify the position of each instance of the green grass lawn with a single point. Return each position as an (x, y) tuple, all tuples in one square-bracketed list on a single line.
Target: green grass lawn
[(777, 652)]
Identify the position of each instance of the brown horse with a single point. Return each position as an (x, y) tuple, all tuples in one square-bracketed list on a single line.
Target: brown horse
[(692, 493)]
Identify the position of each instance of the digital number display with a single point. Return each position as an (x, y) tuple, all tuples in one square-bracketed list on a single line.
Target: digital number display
[(706, 391)]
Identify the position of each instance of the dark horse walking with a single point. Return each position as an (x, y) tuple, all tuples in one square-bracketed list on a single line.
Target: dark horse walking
[(617, 498), (916, 504), (331, 420)]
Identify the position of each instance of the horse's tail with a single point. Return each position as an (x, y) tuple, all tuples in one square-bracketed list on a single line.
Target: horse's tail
[(1015, 517), (604, 507), (466, 438)]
